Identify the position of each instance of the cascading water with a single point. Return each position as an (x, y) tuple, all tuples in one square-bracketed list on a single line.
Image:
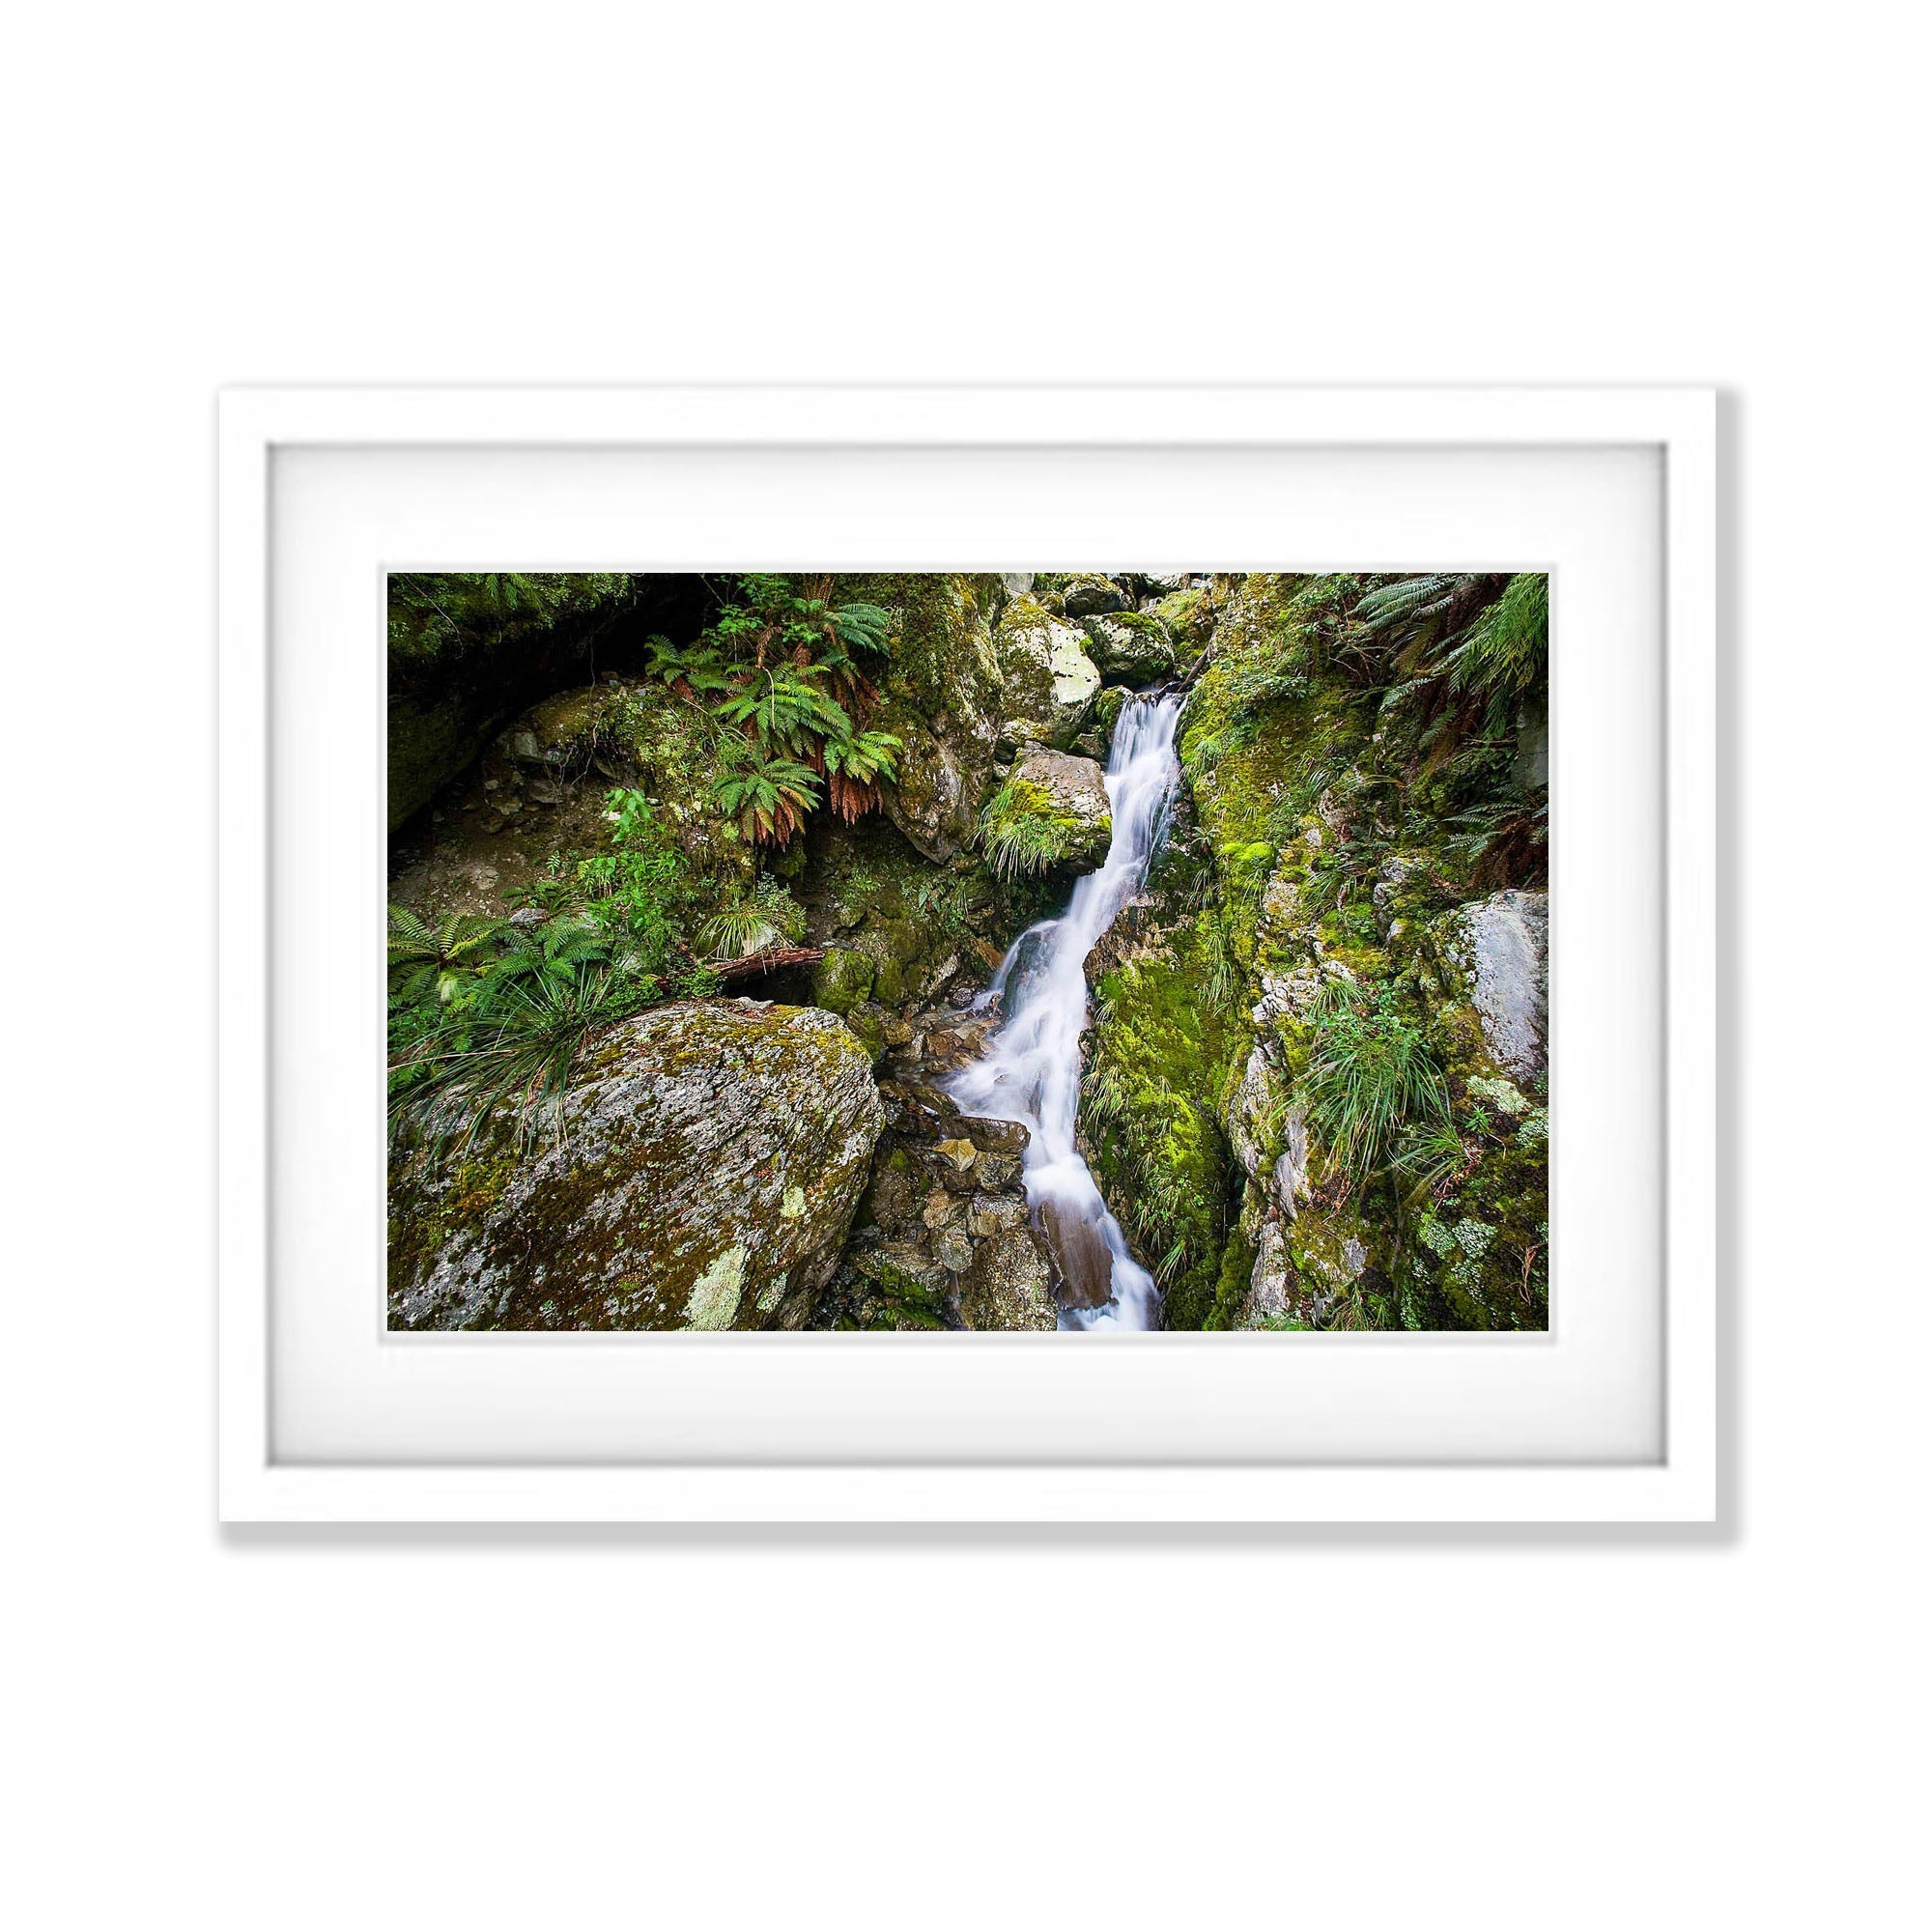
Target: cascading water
[(1030, 1071)]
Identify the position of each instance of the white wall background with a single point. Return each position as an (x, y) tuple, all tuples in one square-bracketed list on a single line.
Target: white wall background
[(1054, 1729)]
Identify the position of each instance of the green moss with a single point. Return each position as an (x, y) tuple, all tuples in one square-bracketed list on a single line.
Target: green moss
[(1161, 1043), (842, 978)]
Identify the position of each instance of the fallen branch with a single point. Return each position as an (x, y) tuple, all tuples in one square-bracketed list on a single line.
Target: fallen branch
[(770, 960)]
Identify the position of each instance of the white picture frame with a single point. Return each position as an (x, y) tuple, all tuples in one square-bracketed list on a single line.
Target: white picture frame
[(501, 440)]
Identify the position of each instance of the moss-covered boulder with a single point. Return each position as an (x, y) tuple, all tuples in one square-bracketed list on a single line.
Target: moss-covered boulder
[(869, 897), (1050, 682), (708, 1162), (1131, 647), (1053, 814), (842, 978), (560, 733)]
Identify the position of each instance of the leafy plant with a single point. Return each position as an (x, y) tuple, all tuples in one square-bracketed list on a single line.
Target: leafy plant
[(769, 918), (544, 952), (768, 796), (439, 961), (520, 1054), (785, 708)]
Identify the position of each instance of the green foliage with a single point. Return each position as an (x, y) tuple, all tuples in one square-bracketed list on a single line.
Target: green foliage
[(517, 1052), (770, 917), (1371, 1072), (1506, 650), (769, 795), (437, 615), (439, 963), (1161, 1044), (788, 712)]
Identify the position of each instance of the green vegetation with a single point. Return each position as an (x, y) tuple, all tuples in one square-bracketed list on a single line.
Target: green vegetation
[(1148, 1106), (1372, 1076), (440, 614)]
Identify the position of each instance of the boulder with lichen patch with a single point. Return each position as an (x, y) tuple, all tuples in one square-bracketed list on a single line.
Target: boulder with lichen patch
[(1086, 594), (1131, 648), (1500, 946), (1050, 682), (709, 1159)]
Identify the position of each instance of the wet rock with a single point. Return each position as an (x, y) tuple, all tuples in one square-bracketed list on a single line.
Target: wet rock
[(999, 1169), (709, 1159), (992, 1213), (941, 1208), (953, 1249), (1004, 1137), (1008, 1285), (1085, 1262)]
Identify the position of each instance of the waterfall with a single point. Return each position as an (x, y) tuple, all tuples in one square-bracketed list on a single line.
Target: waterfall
[(1031, 1070)]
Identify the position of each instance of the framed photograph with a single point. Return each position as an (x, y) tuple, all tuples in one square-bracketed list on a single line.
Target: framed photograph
[(968, 954)]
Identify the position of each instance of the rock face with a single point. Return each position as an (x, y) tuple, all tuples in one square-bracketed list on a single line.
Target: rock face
[(1502, 945), (454, 681), (942, 701), (1131, 648), (710, 1159), (1050, 682), (1076, 794)]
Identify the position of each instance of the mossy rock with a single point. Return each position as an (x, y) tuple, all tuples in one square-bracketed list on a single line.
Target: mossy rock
[(1088, 594), (705, 1168)]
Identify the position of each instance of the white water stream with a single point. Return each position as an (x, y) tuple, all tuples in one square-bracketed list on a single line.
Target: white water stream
[(1030, 1071)]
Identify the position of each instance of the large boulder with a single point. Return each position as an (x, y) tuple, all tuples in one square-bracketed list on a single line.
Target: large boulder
[(709, 1159), (1073, 794), (941, 699), (1131, 648), (1050, 682)]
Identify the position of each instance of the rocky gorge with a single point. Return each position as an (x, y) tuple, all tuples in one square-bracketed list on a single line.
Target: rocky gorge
[(718, 904)]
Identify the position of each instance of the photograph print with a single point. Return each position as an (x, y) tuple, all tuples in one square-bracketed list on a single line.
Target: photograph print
[(948, 952)]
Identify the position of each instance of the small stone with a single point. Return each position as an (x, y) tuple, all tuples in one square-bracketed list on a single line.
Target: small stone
[(997, 1171), (960, 1154), (952, 1250)]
